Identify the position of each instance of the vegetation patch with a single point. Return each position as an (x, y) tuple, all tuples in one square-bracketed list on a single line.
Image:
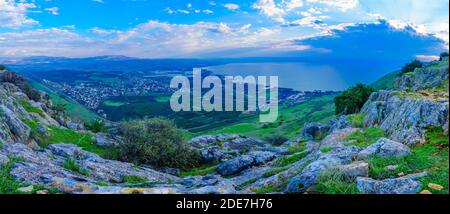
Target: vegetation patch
[(30, 108), (72, 165), (326, 150), (156, 142), (431, 157), (134, 179), (248, 182), (199, 171), (357, 120), (352, 100), (83, 140), (287, 160), (365, 137), (334, 182), (274, 171)]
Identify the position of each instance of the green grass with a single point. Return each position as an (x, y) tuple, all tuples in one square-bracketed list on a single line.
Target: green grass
[(290, 120), (334, 182), (431, 157), (199, 171), (113, 103), (366, 137), (357, 120), (287, 160), (71, 164), (387, 82), (30, 108), (83, 140), (134, 179), (248, 182), (296, 149), (274, 171), (326, 150)]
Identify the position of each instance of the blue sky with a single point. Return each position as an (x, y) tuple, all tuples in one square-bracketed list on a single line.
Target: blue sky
[(223, 28)]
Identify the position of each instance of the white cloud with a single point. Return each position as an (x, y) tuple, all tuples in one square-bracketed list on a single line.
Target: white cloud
[(269, 8), (53, 10), (427, 58), (208, 11), (14, 14), (98, 1), (343, 5), (293, 4), (231, 6)]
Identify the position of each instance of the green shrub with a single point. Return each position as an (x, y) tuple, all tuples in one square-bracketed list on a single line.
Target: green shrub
[(441, 56), (96, 126), (156, 142), (276, 140), (2, 67), (357, 120), (410, 67), (352, 100), (30, 108)]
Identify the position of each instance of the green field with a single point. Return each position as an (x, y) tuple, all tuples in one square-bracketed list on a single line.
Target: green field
[(290, 120)]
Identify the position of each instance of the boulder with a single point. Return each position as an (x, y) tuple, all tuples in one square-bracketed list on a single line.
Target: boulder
[(385, 148), (315, 131), (339, 123), (309, 175), (104, 140), (3, 160), (403, 185), (243, 144), (355, 169), (242, 162)]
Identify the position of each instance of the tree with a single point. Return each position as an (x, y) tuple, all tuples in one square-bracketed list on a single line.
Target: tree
[(156, 142), (352, 100), (441, 57), (410, 67), (2, 67)]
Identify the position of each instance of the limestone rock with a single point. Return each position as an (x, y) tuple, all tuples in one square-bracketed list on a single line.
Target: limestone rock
[(403, 185), (315, 131), (240, 163), (384, 148), (355, 169)]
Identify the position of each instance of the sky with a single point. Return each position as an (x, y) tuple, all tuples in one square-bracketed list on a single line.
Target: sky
[(224, 28)]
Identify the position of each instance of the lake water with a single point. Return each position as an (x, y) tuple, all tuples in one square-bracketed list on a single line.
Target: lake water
[(308, 76)]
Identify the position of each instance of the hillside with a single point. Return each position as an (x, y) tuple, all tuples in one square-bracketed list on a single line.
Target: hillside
[(397, 144)]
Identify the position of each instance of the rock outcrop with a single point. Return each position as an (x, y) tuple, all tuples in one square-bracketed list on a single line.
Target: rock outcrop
[(405, 117)]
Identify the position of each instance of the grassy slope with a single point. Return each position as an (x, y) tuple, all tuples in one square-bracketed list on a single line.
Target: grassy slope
[(386, 82), (290, 120), (75, 110)]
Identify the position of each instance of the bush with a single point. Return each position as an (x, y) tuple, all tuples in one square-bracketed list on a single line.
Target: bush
[(353, 99), (276, 140), (96, 126), (410, 67), (2, 67), (156, 142), (441, 57)]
